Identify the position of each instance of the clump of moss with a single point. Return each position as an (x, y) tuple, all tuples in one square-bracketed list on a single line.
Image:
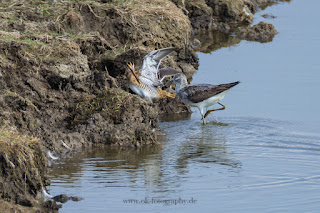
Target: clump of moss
[(112, 103), (23, 167)]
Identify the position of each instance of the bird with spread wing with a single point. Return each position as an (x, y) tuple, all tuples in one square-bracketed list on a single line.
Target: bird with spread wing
[(148, 81)]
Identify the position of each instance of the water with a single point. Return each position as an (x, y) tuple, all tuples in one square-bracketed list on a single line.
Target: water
[(279, 79), (261, 154)]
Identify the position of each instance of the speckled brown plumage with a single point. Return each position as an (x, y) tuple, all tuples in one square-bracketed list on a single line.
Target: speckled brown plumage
[(134, 78)]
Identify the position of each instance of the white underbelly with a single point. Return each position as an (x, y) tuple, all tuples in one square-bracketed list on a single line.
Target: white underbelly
[(210, 101), (142, 92)]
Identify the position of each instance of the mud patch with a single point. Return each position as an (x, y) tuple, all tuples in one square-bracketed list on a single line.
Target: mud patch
[(116, 117)]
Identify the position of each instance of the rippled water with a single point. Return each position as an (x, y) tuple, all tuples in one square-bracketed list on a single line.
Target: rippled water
[(261, 154)]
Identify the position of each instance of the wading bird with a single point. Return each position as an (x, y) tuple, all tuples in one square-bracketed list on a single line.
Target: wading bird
[(148, 81), (201, 95)]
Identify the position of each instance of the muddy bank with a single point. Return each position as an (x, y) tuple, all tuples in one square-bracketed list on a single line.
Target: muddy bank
[(63, 75), (229, 17), (77, 52)]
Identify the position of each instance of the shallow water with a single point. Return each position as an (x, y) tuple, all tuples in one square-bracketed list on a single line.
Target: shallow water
[(261, 154)]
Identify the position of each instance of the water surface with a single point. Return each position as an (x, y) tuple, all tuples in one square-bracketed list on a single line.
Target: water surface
[(261, 154)]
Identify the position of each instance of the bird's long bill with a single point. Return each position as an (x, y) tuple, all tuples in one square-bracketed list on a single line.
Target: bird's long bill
[(134, 74)]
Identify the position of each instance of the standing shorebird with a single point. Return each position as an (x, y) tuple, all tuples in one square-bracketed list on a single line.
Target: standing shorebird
[(148, 81), (201, 95)]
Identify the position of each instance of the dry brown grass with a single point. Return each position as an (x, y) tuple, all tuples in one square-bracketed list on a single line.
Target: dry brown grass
[(61, 32), (23, 164), (19, 150), (6, 207), (41, 45), (156, 22)]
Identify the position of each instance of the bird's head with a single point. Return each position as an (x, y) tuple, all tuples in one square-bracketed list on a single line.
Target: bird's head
[(180, 80), (177, 78)]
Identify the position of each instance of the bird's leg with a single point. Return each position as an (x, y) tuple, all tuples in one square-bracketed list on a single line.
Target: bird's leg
[(209, 111), (204, 122), (201, 112)]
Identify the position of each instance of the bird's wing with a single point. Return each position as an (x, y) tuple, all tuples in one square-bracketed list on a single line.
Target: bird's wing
[(201, 92), (165, 71), (152, 61), (149, 82)]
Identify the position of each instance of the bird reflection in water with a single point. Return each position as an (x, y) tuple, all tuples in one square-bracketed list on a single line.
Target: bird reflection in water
[(158, 169)]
